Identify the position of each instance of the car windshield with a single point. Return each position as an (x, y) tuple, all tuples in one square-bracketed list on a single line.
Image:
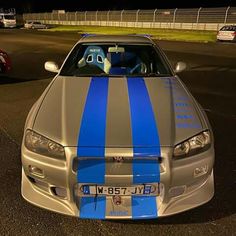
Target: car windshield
[(115, 60), (229, 28), (9, 17)]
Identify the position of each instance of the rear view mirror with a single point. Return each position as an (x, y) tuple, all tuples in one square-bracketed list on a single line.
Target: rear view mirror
[(116, 49), (51, 66), (180, 66)]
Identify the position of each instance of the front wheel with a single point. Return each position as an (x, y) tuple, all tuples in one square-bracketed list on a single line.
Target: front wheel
[(1, 68)]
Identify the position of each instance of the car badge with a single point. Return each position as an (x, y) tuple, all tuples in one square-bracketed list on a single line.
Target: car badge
[(117, 200), (118, 159)]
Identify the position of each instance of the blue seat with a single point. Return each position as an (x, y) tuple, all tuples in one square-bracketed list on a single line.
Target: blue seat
[(94, 55), (119, 62)]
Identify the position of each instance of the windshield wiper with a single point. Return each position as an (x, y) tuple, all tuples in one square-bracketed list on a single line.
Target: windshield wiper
[(102, 75), (89, 75), (113, 75), (109, 75), (156, 75), (147, 75)]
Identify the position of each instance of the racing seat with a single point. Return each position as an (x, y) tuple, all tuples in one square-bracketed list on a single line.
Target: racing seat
[(94, 55), (123, 63)]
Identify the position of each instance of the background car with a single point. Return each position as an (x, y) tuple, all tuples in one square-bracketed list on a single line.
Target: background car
[(227, 33), (5, 63), (35, 25)]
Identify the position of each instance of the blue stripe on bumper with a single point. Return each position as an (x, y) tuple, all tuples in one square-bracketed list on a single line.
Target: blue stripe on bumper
[(93, 208), (144, 207)]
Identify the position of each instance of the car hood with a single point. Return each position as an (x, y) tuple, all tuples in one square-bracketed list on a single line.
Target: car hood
[(118, 112)]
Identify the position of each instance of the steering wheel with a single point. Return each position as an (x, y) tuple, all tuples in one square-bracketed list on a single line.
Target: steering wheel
[(135, 68)]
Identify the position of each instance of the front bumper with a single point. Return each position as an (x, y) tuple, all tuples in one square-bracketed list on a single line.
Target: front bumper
[(184, 186), (9, 25), (226, 38)]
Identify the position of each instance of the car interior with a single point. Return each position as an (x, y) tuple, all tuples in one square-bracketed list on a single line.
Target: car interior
[(114, 60)]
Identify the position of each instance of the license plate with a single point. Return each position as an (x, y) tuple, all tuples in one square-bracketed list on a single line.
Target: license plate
[(128, 191)]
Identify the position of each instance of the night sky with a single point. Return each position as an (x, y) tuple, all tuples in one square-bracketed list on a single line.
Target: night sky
[(80, 5)]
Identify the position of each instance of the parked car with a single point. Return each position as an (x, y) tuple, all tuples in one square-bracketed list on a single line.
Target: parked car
[(227, 33), (117, 135), (7, 20), (35, 25), (5, 62)]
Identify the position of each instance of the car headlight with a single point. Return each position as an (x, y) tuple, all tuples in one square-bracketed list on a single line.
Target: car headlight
[(3, 56), (41, 145), (194, 145)]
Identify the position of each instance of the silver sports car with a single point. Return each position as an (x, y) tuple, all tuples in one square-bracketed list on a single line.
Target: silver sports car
[(117, 135)]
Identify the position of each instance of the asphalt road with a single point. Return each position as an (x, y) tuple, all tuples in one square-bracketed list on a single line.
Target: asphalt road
[(211, 77)]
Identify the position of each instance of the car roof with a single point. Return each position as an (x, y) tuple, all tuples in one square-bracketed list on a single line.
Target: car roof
[(116, 39)]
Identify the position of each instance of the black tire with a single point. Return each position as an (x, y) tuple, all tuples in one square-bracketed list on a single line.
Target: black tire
[(1, 68)]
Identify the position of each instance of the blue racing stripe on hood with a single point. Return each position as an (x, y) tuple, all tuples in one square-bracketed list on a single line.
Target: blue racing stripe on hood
[(145, 144), (93, 124), (144, 133), (91, 141)]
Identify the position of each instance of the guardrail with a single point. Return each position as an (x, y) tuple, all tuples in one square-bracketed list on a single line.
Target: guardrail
[(193, 19)]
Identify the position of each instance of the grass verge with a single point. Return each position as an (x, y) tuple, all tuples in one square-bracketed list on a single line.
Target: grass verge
[(164, 34)]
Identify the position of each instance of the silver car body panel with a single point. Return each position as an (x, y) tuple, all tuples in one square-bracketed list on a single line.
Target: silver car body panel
[(176, 114), (61, 114)]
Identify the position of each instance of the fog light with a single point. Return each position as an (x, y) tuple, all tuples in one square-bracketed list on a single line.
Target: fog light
[(176, 191), (36, 171), (199, 171), (60, 192)]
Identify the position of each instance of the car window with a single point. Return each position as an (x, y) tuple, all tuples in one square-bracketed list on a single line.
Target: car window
[(9, 17), (115, 60), (228, 28)]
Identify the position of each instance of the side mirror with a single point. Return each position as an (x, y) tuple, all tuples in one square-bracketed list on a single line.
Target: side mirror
[(180, 66), (51, 66)]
